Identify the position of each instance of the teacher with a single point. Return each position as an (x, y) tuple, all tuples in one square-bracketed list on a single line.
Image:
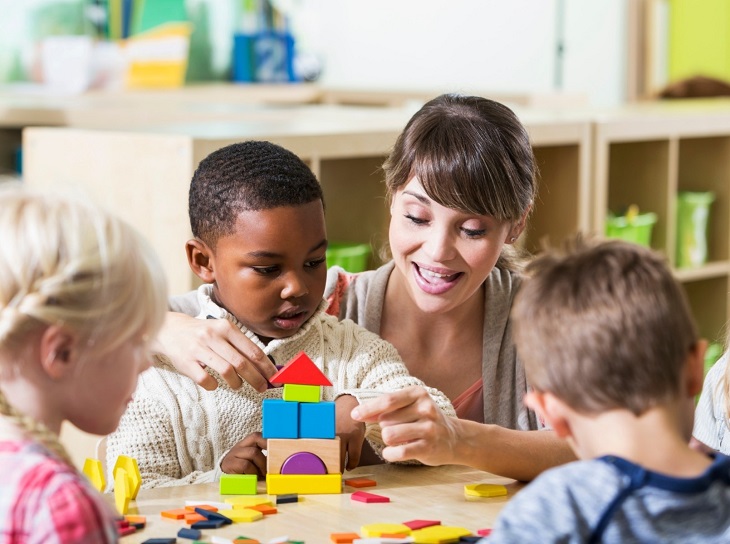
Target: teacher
[(461, 181)]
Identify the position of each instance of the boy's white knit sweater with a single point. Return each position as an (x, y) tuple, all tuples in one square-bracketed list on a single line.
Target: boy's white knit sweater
[(179, 432)]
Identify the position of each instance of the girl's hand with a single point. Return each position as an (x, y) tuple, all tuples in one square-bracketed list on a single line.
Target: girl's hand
[(193, 344), (246, 457), (351, 433), (413, 426)]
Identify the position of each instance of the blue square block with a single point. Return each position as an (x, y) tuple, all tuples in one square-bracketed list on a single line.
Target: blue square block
[(317, 420), (281, 419)]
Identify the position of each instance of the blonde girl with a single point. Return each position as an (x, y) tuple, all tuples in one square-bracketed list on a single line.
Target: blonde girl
[(81, 296), (712, 416)]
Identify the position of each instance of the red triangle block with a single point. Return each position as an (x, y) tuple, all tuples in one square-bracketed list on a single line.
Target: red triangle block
[(301, 371)]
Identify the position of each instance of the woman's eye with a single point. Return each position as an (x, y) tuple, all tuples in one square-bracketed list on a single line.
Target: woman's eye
[(316, 262), (416, 220), (474, 233)]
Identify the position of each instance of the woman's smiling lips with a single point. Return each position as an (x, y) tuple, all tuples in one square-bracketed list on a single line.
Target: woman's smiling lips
[(435, 281)]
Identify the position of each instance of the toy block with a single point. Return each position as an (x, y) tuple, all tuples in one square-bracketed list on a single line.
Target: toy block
[(343, 538), (287, 498), (280, 484), (192, 534), (244, 540), (484, 490), (137, 521), (279, 450), (208, 524), (193, 517), (484, 532), (218, 505), (470, 538), (360, 482), (135, 478), (317, 420), (381, 529), (301, 393), (175, 513), (300, 370), (420, 523), (245, 502), (281, 419), (125, 531), (243, 515), (303, 463), (438, 534), (121, 491), (207, 507), (213, 515), (238, 484), (95, 473), (363, 496), (265, 509)]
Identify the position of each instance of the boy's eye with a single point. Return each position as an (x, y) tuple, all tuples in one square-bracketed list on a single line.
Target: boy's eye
[(416, 220), (266, 270), (316, 262)]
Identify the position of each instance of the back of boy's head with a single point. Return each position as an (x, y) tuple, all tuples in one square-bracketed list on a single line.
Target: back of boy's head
[(65, 262), (246, 176), (603, 326)]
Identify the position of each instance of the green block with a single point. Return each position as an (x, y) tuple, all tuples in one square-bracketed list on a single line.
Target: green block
[(238, 484), (302, 393)]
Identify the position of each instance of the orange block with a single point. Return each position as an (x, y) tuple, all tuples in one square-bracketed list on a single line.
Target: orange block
[(192, 517), (265, 509), (344, 538), (203, 506), (177, 513), (136, 519), (246, 541), (393, 535), (360, 482)]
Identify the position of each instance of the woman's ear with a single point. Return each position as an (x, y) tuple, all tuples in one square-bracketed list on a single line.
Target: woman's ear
[(518, 227), (58, 352), (200, 259)]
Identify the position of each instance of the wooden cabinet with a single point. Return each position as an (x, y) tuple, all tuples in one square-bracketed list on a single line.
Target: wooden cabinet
[(647, 156)]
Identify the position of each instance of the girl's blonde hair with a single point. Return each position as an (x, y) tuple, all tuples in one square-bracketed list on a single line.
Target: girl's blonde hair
[(65, 262)]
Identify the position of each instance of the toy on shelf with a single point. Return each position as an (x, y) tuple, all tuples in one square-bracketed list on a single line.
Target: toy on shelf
[(303, 453)]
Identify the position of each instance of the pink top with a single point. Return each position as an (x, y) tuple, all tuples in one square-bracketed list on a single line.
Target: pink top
[(43, 500), (470, 404)]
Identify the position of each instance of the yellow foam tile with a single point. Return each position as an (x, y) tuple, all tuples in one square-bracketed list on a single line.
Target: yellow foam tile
[(439, 534), (303, 484), (245, 502), (241, 515), (135, 478), (484, 490), (379, 529), (121, 491), (95, 473)]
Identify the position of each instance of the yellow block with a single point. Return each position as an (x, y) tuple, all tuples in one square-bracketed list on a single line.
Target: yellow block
[(242, 515), (484, 490), (245, 502), (121, 490), (95, 474), (135, 478), (283, 484), (439, 534), (378, 529)]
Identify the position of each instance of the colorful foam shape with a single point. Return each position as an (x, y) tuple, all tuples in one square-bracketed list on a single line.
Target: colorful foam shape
[(294, 392), (242, 515), (317, 420), (238, 484), (344, 538), (364, 496), (303, 462), (245, 502), (192, 534), (213, 516), (135, 478), (95, 473), (280, 449), (484, 490), (416, 524), (281, 419), (121, 491), (439, 534), (282, 484), (208, 524), (360, 482), (265, 509), (380, 529), (287, 498), (300, 370)]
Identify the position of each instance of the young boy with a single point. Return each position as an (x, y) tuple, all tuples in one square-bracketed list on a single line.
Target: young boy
[(257, 216), (613, 357)]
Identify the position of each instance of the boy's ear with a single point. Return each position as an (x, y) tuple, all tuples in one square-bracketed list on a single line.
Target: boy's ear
[(696, 368), (552, 410), (57, 352), (200, 259)]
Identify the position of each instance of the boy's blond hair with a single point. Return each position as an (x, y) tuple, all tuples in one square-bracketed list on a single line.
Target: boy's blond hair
[(603, 325), (65, 262)]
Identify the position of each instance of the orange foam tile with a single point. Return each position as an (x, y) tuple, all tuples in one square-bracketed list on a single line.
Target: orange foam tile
[(136, 519), (192, 517), (360, 482), (207, 507), (176, 513), (265, 509), (344, 538)]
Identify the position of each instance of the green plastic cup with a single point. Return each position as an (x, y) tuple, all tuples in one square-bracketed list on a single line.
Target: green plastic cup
[(637, 229), (693, 212), (351, 257)]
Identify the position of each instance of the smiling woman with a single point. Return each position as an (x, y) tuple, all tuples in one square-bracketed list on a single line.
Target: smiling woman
[(461, 181)]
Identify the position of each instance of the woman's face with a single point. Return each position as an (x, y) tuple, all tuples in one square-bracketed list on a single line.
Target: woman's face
[(444, 255)]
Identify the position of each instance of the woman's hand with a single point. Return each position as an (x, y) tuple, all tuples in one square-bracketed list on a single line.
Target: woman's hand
[(193, 344), (351, 433), (246, 457), (413, 427)]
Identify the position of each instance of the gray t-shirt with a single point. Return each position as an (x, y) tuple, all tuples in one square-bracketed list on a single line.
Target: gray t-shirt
[(570, 503)]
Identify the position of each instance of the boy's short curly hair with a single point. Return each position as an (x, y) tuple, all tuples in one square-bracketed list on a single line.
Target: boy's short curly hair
[(246, 176)]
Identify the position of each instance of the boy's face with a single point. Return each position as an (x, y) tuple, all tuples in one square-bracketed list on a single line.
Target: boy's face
[(271, 272)]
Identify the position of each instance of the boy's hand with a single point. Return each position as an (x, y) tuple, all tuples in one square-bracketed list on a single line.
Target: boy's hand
[(246, 457), (193, 344), (351, 433), (413, 426)]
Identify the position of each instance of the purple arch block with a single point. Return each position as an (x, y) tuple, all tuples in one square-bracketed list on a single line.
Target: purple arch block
[(303, 462)]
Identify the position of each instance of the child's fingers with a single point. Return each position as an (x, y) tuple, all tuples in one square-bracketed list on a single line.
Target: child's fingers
[(373, 410)]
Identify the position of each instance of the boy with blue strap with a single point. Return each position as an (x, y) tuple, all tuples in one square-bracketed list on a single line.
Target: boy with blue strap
[(614, 361)]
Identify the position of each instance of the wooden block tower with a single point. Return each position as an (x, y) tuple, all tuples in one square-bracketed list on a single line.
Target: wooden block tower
[(303, 451)]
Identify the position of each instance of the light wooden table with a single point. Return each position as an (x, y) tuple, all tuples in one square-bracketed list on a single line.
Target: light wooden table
[(416, 492)]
